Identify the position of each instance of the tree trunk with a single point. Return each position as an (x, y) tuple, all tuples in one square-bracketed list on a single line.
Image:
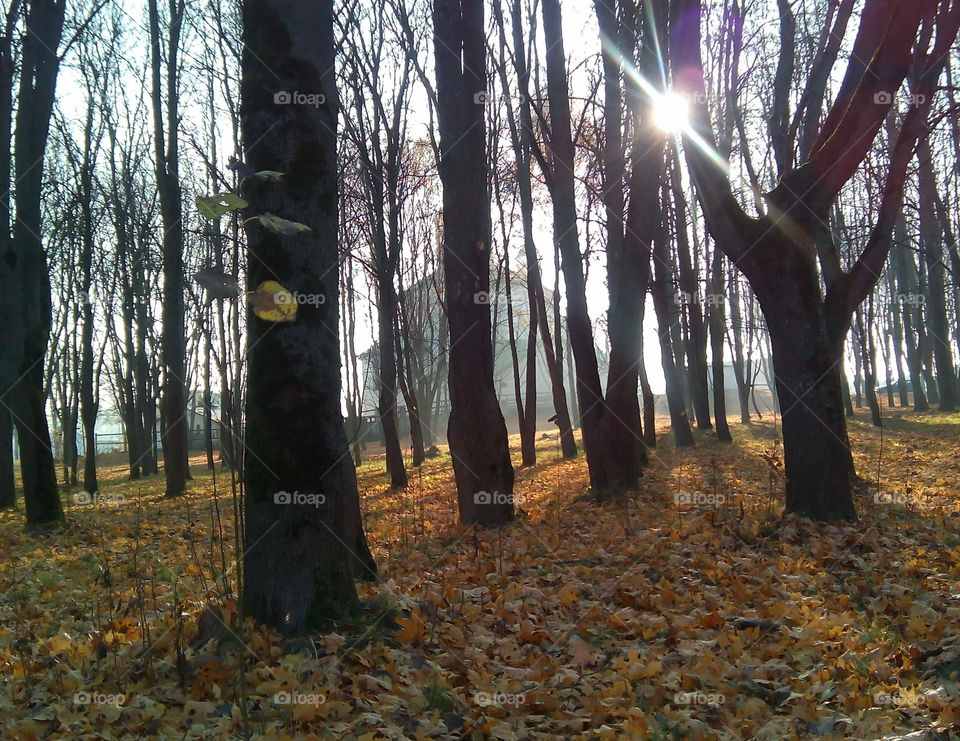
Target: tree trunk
[(908, 304), (303, 530), (931, 240), (88, 403), (166, 162), (717, 324), (88, 399), (410, 397), (664, 301), (528, 453), (897, 331), (845, 391), (604, 478), (38, 75), (40, 493), (476, 430), (649, 405), (387, 397), (736, 332), (8, 489), (868, 361), (536, 312), (806, 361), (696, 344)]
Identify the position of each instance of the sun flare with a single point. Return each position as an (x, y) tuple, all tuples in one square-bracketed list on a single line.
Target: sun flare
[(671, 112)]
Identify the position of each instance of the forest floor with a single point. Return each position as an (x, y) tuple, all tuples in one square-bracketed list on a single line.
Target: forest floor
[(690, 609)]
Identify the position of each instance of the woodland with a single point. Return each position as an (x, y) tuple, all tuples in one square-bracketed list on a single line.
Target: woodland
[(466, 369)]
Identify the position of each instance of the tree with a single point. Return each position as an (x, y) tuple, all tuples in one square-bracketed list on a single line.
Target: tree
[(377, 128), (780, 250), (631, 228), (303, 534), (560, 175), (476, 430), (26, 309), (166, 138), (523, 140)]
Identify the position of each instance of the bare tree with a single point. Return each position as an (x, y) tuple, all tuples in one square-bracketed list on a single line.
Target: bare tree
[(476, 431), (165, 96), (779, 250)]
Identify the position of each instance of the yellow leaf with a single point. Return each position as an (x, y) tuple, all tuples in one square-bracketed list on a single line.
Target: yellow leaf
[(273, 303)]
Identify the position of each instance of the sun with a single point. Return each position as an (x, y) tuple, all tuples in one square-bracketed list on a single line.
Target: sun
[(671, 112)]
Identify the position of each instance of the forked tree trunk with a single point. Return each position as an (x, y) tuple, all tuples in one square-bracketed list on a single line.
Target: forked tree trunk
[(303, 532), (476, 430), (806, 362), (606, 474)]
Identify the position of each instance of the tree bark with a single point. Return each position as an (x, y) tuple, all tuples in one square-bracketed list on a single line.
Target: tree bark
[(303, 532), (696, 344), (663, 300), (38, 75), (476, 430), (931, 242), (717, 324), (387, 396), (167, 165), (8, 489), (88, 400), (560, 172)]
